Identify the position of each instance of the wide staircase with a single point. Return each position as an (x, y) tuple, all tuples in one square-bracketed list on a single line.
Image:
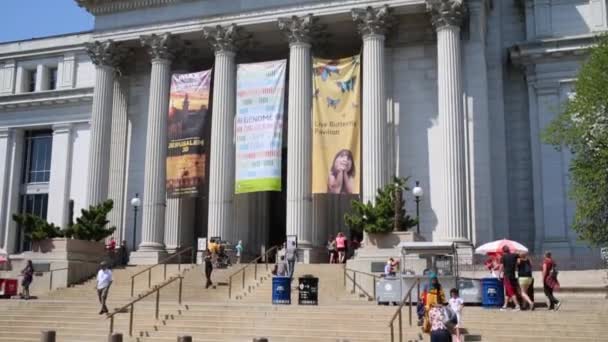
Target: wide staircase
[(210, 315)]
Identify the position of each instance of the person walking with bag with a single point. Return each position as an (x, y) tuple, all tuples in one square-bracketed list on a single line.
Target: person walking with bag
[(291, 256), (28, 276), (104, 280), (208, 268), (439, 331), (550, 283)]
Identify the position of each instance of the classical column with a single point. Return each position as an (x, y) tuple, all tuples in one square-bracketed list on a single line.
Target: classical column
[(373, 24), (152, 247), (105, 57), (10, 198), (221, 174), (5, 157), (118, 157), (299, 139), (447, 16), (60, 179)]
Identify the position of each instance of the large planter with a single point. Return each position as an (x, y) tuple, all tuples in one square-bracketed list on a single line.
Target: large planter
[(389, 240)]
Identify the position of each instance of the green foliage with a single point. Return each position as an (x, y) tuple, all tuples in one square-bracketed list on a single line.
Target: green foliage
[(582, 127), (35, 228), (91, 225), (380, 218)]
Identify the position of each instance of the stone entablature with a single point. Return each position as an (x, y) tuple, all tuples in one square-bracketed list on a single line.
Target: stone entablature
[(111, 6)]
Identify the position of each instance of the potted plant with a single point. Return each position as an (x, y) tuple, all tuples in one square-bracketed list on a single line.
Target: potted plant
[(384, 220)]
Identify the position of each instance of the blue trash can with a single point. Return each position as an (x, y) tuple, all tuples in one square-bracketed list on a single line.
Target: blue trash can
[(281, 290), (493, 294)]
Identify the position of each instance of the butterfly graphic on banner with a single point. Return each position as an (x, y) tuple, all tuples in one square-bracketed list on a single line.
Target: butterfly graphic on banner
[(325, 71), (333, 103), (346, 86)]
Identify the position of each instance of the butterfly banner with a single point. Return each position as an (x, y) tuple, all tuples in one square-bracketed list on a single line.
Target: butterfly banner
[(260, 97), (186, 153), (336, 125)]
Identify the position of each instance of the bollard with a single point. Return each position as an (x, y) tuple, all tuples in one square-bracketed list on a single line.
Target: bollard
[(261, 339), (48, 336), (115, 338), (184, 339)]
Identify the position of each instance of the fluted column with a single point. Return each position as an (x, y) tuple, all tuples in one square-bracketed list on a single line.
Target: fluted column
[(373, 24), (154, 196), (105, 56), (118, 157), (299, 139), (447, 17), (221, 164)]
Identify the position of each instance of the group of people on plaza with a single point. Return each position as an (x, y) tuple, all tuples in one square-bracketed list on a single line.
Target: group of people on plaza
[(441, 321), (339, 249), (515, 270), (216, 256), (286, 260)]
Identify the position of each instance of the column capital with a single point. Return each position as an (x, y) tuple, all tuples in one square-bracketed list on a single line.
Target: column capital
[(226, 38), (373, 21), (300, 29), (446, 12), (105, 53), (160, 47)]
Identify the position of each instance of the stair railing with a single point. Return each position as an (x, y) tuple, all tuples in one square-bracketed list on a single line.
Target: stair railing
[(242, 270), (131, 305), (164, 263), (356, 282), (398, 314)]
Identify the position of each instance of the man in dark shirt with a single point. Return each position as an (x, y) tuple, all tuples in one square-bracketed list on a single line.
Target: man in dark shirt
[(509, 264)]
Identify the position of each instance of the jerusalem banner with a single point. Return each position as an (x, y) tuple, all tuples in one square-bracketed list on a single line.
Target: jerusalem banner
[(260, 98), (188, 110), (336, 126)]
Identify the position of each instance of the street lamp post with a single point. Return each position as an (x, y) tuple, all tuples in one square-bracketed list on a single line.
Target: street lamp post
[(135, 202), (418, 192)]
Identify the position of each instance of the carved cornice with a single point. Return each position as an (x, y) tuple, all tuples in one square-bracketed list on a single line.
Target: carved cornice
[(111, 6), (226, 38), (570, 48), (105, 53), (373, 20), (446, 12), (45, 98), (302, 29), (163, 46)]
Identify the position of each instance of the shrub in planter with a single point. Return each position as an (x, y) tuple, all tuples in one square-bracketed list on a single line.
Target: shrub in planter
[(36, 228), (386, 215), (91, 225)]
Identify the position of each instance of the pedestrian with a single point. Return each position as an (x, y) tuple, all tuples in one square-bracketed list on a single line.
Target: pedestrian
[(550, 283), (432, 295), (282, 268), (111, 249), (28, 276), (239, 251), (439, 331), (331, 249), (124, 253), (291, 256), (354, 245), (104, 280), (524, 276), (456, 304), (509, 263), (341, 247), (208, 260), (388, 268)]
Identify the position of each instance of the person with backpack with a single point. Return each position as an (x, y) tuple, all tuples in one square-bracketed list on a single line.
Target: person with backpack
[(433, 295), (438, 329), (550, 283)]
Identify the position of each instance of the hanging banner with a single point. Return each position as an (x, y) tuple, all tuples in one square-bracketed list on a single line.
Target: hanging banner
[(336, 126), (186, 155), (260, 96)]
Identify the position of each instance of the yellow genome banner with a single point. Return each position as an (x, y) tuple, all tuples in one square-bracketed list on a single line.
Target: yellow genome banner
[(336, 126)]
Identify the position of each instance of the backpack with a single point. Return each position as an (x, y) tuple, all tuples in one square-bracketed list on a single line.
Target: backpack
[(554, 271), (449, 317)]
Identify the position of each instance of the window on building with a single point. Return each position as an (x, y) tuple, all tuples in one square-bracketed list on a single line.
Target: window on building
[(38, 156), (52, 78), (31, 80)]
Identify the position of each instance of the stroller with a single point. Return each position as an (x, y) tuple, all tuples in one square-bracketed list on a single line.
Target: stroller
[(222, 259)]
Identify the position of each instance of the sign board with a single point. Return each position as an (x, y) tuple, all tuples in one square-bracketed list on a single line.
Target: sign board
[(202, 244)]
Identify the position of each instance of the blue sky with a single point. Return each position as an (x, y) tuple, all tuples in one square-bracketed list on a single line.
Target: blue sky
[(25, 19)]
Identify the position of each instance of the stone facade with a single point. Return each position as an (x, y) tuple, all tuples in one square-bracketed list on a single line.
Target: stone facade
[(516, 63)]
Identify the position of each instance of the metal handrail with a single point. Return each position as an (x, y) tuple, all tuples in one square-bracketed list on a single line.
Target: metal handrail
[(164, 263), (131, 305), (51, 276), (255, 272), (355, 285), (408, 298)]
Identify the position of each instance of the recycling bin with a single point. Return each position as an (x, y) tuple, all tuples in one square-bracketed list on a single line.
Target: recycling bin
[(308, 290), (388, 290), (8, 287), (493, 294), (281, 290)]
